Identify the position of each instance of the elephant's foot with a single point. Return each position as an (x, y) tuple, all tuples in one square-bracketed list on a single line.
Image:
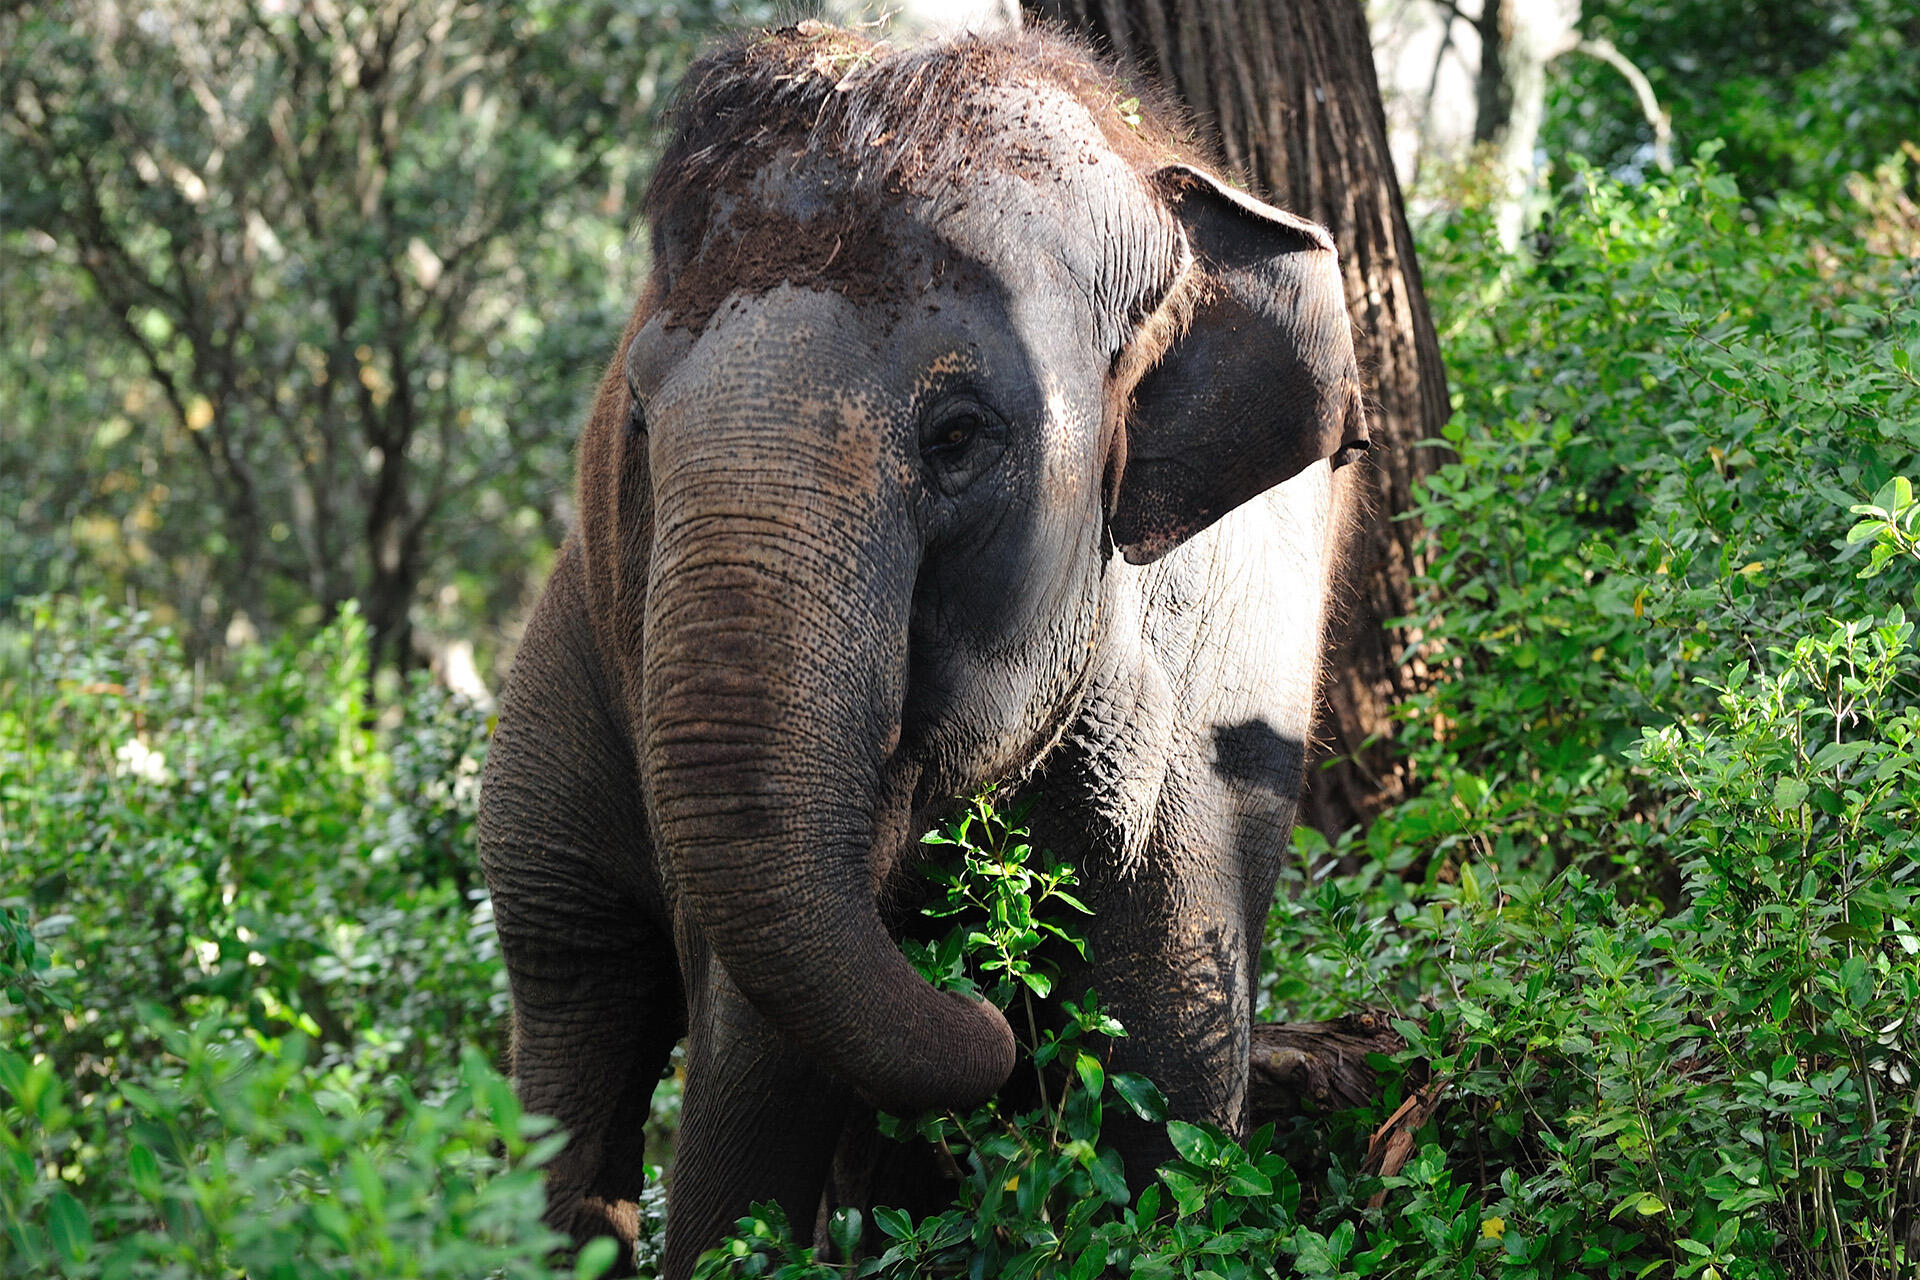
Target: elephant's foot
[(586, 1218)]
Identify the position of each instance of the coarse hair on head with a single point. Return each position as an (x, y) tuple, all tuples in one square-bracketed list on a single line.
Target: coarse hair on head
[(893, 120)]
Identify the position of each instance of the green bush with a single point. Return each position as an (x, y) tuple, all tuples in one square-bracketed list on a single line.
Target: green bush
[(250, 845), (1652, 919), (1037, 1195), (235, 1156), (1661, 426), (248, 996)]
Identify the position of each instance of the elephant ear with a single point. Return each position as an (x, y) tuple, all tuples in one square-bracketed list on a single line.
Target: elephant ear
[(1258, 386)]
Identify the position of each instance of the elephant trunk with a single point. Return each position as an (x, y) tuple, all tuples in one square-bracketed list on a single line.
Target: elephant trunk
[(775, 673)]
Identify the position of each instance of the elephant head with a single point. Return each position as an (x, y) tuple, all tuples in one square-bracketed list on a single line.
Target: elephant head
[(939, 344)]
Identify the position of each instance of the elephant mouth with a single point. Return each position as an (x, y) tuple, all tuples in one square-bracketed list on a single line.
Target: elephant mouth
[(907, 808)]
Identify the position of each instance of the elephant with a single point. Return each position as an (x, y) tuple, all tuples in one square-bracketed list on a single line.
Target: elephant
[(969, 431)]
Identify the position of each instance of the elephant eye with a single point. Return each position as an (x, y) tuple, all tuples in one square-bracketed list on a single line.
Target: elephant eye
[(954, 433), (959, 442)]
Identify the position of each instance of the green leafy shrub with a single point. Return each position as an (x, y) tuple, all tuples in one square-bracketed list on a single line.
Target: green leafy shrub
[(1728, 1088), (1036, 1194), (250, 845), (247, 995), (1651, 921), (231, 1156), (1661, 426)]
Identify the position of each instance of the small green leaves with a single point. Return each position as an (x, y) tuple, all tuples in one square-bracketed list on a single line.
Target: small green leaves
[(1210, 1165), (1093, 1076), (1193, 1142), (893, 1223), (143, 1171), (1644, 1203), (1889, 525), (67, 1226), (1000, 893), (1040, 1195), (844, 1229)]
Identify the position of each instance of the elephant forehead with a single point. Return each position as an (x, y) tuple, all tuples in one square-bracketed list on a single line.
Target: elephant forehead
[(753, 245), (1036, 197)]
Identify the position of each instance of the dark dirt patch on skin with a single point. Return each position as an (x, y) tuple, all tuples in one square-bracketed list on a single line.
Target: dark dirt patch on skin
[(759, 249), (897, 118), (858, 253)]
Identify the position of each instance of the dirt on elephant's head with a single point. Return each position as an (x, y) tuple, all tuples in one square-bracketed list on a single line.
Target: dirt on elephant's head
[(792, 154), (755, 248)]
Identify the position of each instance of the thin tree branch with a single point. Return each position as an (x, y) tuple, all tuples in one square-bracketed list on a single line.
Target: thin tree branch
[(1433, 86), (1661, 122)]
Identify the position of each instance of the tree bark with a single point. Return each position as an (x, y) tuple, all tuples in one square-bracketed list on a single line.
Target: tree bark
[(1288, 91), (1493, 86)]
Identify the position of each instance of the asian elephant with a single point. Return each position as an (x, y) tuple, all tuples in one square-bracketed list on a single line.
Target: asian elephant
[(969, 431)]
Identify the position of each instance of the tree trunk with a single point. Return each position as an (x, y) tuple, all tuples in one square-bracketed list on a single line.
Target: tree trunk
[(1518, 38), (1290, 93), (1493, 86)]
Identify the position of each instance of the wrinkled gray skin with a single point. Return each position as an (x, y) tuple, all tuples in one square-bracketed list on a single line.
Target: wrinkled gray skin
[(843, 558)]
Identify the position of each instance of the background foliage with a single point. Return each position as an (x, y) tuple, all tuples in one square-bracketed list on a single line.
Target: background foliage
[(1650, 928), (1803, 93), (331, 283), (249, 1001)]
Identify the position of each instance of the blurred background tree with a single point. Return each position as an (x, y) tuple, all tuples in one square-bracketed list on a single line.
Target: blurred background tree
[(1801, 94), (302, 300)]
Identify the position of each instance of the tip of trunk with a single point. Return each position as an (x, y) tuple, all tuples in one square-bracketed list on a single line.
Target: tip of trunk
[(957, 1063)]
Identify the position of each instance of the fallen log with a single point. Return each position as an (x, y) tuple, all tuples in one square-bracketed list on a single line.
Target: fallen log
[(1320, 1066)]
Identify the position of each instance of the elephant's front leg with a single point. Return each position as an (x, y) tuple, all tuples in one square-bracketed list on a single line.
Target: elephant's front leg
[(759, 1121), (1174, 961), (596, 999), (590, 1033)]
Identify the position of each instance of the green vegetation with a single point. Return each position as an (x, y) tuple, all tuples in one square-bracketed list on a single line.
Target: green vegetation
[(251, 1023), (1650, 927), (303, 305), (1806, 93)]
